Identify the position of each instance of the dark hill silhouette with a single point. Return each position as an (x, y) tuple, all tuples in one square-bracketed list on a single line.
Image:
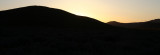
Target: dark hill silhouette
[(45, 16), (154, 21), (114, 23), (152, 24), (38, 30)]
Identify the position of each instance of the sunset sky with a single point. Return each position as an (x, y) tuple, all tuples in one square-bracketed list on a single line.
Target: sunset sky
[(103, 10)]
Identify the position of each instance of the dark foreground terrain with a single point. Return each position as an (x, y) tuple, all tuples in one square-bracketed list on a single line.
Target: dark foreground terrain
[(37, 30)]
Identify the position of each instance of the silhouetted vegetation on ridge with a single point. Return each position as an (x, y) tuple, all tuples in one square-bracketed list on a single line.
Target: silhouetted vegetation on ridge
[(38, 30)]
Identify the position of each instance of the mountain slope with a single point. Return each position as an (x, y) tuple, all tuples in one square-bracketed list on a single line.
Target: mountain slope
[(44, 16), (152, 24), (38, 30)]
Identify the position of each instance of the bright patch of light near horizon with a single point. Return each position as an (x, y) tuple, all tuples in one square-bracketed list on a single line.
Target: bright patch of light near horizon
[(80, 14)]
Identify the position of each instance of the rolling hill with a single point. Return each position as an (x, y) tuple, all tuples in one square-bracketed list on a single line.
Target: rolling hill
[(45, 16), (39, 30), (148, 25)]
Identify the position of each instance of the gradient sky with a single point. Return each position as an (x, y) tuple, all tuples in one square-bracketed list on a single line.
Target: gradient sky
[(103, 10)]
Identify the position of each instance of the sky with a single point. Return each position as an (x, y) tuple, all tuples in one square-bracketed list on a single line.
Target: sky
[(104, 10)]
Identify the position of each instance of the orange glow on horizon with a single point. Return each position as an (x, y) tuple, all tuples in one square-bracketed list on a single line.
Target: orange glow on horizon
[(104, 10)]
